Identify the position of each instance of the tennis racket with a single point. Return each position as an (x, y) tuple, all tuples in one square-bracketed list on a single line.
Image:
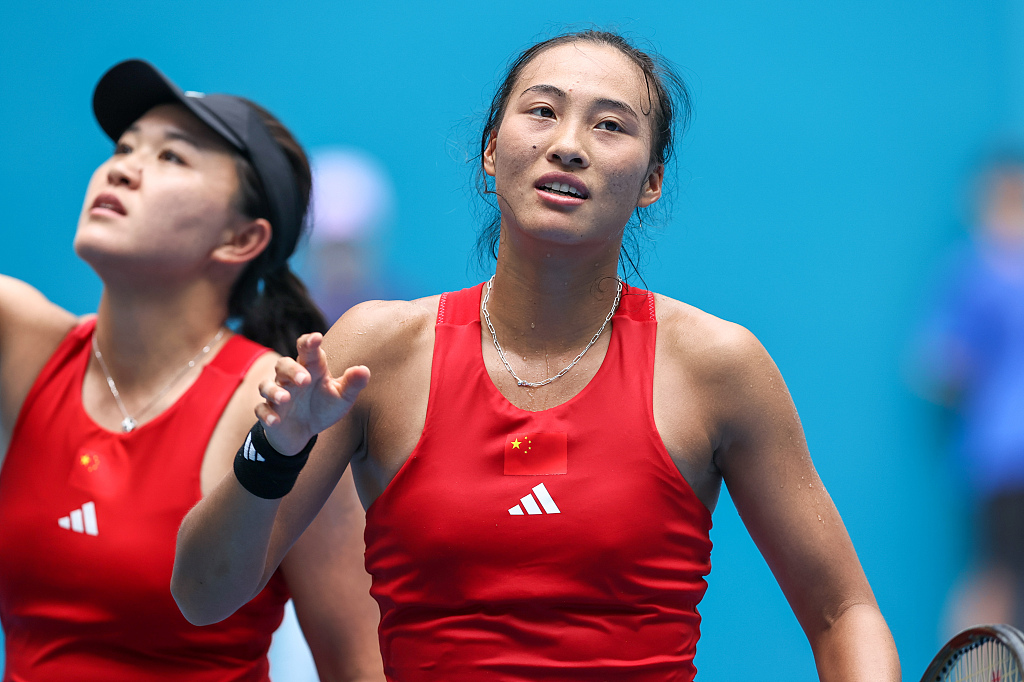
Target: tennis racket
[(988, 653)]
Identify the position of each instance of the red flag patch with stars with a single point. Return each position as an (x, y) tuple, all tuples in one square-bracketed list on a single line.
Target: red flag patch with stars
[(533, 454)]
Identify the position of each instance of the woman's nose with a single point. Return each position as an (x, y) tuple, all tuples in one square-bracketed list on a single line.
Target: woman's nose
[(123, 171), (567, 149)]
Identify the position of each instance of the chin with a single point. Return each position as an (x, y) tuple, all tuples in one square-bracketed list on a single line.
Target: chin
[(103, 252), (91, 241), (565, 235), (99, 259)]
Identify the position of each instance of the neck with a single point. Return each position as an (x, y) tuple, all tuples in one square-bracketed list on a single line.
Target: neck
[(147, 337), (551, 298)]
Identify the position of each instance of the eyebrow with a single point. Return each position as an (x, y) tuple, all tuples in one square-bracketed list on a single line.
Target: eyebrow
[(605, 103), (175, 134), (185, 137), (546, 89), (602, 103)]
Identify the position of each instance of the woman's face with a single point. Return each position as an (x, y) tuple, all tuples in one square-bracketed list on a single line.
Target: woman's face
[(163, 201), (571, 157)]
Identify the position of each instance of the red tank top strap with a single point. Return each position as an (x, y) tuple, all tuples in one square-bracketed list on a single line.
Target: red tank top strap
[(637, 304), (460, 307), (67, 350), (237, 356), (70, 346)]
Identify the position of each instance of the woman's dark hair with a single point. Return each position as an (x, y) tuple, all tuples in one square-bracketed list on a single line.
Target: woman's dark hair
[(273, 306), (668, 105)]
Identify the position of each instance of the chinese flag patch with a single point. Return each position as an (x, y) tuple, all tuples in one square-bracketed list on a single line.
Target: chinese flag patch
[(532, 454), (99, 473), (89, 460)]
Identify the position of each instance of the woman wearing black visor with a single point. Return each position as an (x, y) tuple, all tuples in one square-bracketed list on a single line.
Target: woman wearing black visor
[(120, 422)]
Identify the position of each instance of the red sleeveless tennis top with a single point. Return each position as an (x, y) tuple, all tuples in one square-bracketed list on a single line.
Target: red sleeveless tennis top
[(88, 521), (555, 545)]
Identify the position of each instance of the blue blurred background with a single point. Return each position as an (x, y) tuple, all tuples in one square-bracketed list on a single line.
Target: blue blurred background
[(816, 190)]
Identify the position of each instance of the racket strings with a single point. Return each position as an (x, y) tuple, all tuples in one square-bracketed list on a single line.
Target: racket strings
[(986, 660)]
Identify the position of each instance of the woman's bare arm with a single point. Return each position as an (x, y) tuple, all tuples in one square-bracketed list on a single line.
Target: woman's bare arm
[(327, 559), (765, 463), (231, 543)]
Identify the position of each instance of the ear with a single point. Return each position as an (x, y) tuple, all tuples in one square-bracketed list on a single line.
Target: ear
[(243, 242), (651, 191), (489, 151)]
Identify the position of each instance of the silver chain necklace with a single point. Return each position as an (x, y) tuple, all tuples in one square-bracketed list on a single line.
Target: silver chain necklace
[(129, 422), (545, 382)]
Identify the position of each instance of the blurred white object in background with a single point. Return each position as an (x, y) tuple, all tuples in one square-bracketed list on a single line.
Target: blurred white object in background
[(353, 201), (352, 195)]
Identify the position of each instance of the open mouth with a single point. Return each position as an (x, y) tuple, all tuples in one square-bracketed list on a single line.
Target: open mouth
[(110, 203), (567, 187), (563, 189)]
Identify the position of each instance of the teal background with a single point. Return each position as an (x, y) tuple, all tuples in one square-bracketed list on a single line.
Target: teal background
[(815, 192)]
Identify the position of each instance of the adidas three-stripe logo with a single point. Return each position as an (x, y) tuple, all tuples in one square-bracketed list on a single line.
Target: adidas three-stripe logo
[(529, 503), (249, 452), (81, 520)]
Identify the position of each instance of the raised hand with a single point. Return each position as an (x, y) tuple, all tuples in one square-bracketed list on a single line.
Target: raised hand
[(304, 399)]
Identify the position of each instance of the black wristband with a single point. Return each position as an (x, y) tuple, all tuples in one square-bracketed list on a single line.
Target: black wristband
[(264, 471)]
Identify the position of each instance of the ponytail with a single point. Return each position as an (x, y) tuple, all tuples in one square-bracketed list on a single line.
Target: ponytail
[(279, 312), (272, 305)]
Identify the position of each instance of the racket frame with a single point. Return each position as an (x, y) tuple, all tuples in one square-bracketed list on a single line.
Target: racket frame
[(971, 638)]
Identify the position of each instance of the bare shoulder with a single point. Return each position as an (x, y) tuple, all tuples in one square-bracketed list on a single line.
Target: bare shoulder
[(23, 308), (728, 367), (381, 333), (715, 348), (31, 328), (395, 340)]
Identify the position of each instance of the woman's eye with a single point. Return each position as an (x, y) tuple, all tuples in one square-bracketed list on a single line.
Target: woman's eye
[(122, 148), (543, 112), (609, 125), (168, 155)]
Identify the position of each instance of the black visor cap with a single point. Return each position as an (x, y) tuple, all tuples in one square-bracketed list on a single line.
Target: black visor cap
[(131, 88)]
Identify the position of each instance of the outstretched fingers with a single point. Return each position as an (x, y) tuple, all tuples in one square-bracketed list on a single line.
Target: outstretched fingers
[(303, 398), (352, 382), (277, 396), (268, 415), (289, 373), (310, 355)]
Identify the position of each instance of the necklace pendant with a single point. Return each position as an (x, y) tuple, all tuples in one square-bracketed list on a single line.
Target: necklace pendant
[(128, 424)]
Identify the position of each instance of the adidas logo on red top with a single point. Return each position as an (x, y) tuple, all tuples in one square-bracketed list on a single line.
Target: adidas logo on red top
[(81, 520), (529, 503)]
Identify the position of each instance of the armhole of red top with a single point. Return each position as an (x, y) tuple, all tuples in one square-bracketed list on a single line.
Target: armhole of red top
[(68, 345)]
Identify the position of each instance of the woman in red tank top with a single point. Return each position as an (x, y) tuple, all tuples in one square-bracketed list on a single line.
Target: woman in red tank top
[(540, 454), (122, 421)]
